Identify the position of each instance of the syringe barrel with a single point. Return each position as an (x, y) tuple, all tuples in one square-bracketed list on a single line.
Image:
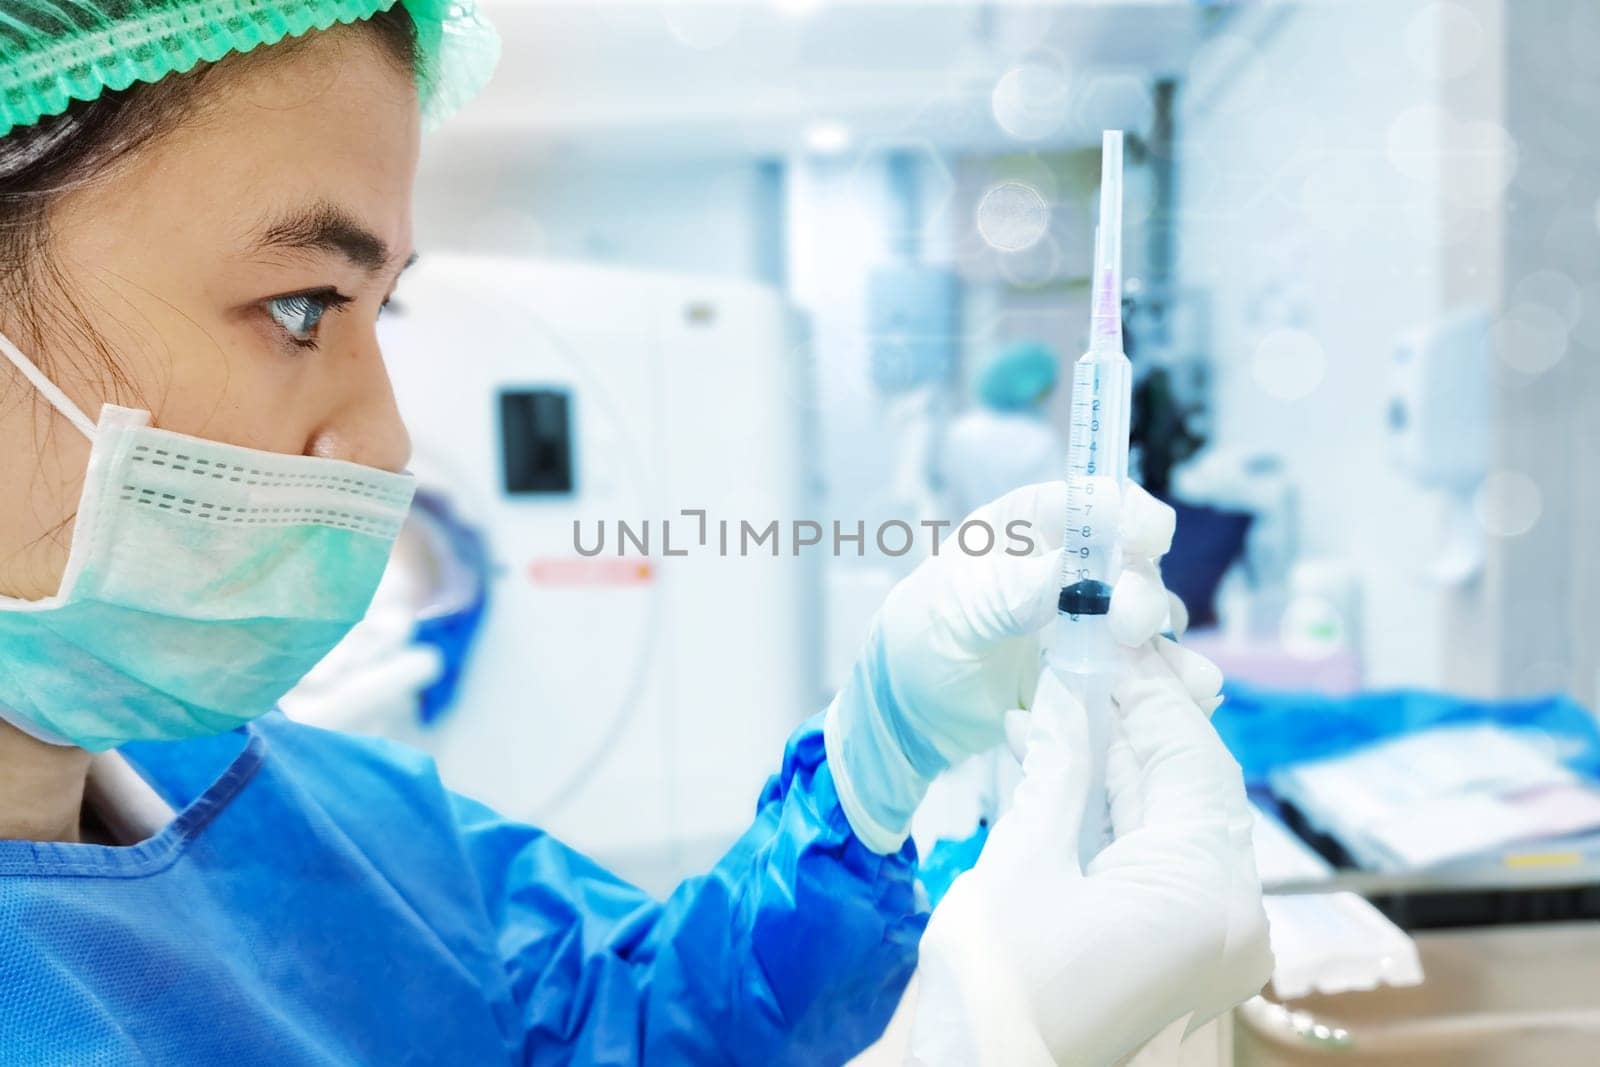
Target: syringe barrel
[(1082, 658), (1097, 470), (1082, 652)]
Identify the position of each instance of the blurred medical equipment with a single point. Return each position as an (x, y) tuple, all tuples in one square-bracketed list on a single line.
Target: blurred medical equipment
[(1439, 409), (404, 661), (1170, 425), (1324, 942), (1322, 620), (1208, 544), (1509, 977), (1484, 785), (630, 703), (1441, 795), (1495, 996), (913, 319), (914, 327), (1316, 645), (1281, 620), (1252, 597), (1081, 648)]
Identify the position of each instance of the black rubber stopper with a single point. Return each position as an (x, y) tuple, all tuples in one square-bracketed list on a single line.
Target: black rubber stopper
[(1087, 597)]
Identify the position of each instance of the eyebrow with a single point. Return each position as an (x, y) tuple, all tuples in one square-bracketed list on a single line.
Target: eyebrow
[(326, 227)]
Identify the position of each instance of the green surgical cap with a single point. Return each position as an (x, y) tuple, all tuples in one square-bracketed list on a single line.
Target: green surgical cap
[(53, 52), (1018, 377)]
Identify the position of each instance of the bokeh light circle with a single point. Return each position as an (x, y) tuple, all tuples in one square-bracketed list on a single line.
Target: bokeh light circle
[(1028, 268), (1551, 289), (1508, 504), (1030, 99), (1012, 216), (1529, 338), (1478, 157)]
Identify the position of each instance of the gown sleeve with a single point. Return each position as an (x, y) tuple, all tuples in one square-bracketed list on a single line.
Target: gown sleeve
[(795, 948)]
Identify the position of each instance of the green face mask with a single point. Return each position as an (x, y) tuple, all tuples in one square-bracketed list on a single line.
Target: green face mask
[(53, 52), (204, 581)]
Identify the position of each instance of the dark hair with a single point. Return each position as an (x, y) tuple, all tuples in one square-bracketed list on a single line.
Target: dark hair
[(41, 162)]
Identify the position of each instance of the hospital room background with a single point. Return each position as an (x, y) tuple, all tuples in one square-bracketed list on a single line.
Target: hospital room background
[(686, 267)]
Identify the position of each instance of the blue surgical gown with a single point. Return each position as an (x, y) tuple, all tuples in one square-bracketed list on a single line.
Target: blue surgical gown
[(323, 899)]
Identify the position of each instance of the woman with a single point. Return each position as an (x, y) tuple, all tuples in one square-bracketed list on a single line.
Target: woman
[(205, 207)]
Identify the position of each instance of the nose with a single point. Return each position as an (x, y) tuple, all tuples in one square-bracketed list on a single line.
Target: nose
[(366, 428)]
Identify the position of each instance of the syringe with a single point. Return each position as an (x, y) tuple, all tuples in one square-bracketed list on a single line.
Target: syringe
[(1081, 650)]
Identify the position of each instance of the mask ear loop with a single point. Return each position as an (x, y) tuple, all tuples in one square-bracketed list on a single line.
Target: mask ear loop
[(48, 389)]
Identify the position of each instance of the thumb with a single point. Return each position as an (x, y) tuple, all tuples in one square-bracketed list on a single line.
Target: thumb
[(986, 600), (1011, 597), (1146, 524), (1054, 793)]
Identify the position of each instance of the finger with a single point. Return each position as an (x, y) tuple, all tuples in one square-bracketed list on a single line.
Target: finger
[(1199, 676), (1187, 773), (1147, 524), (1165, 658), (1050, 801), (1003, 597), (1178, 613), (1198, 679), (1138, 604)]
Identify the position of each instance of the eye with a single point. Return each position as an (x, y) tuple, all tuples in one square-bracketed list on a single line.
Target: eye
[(299, 314)]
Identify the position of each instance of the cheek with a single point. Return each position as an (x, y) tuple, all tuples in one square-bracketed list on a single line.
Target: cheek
[(42, 460), (208, 372), (261, 402)]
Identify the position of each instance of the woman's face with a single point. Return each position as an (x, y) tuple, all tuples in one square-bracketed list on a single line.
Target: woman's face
[(235, 266)]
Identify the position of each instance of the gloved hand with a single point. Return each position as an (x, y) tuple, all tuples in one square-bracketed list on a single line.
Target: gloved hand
[(1031, 960), (956, 646)]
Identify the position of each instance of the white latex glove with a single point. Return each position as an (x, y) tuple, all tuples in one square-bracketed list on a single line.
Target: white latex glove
[(956, 646), (1031, 960)]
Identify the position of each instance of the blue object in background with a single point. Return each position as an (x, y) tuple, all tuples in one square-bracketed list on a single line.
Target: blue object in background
[(1266, 730), (452, 621), (323, 899), (1205, 544)]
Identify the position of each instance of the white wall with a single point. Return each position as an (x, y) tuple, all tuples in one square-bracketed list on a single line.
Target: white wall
[(701, 217), (1547, 581), (1297, 214)]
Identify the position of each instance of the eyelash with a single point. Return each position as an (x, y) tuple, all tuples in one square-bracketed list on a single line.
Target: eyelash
[(298, 306)]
